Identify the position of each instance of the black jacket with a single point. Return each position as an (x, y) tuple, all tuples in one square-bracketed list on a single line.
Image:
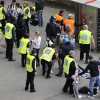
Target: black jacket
[(39, 4), (92, 67), (51, 30)]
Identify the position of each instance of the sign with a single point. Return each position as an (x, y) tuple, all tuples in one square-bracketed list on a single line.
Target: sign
[(90, 1)]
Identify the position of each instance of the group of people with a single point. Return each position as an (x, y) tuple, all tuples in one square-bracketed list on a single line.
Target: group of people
[(60, 45)]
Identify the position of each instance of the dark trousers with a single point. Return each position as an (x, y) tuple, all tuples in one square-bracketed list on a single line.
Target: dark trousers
[(84, 48), (68, 85), (30, 81), (46, 65), (60, 62), (37, 56), (18, 37), (3, 25), (23, 59), (9, 49), (27, 25)]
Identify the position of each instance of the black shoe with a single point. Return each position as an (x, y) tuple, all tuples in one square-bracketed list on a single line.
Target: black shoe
[(23, 66), (33, 90), (26, 89), (6, 57), (71, 93), (48, 76), (64, 90), (59, 75), (43, 74), (11, 60)]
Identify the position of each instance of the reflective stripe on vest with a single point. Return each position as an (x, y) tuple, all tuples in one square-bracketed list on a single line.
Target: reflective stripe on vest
[(85, 37), (29, 61), (8, 30), (67, 62), (47, 54), (23, 46), (27, 15), (2, 16)]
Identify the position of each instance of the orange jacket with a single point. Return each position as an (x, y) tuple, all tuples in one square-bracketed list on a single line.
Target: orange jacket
[(58, 18), (71, 24)]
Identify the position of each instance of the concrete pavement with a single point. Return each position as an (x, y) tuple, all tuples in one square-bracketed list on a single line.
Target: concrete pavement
[(12, 76)]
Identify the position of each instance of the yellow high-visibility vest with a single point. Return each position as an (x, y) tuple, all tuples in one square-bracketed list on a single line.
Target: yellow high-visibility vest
[(85, 37), (8, 30), (29, 61), (48, 53), (67, 62), (23, 46), (26, 16), (2, 16)]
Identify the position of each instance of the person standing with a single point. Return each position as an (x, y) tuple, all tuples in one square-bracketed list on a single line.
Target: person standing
[(12, 11), (51, 29), (20, 28), (10, 38), (30, 68), (24, 44), (85, 39), (69, 71), (39, 5), (36, 43), (27, 15), (64, 49), (70, 22)]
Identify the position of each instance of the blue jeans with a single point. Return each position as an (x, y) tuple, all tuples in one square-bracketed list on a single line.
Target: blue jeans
[(93, 80)]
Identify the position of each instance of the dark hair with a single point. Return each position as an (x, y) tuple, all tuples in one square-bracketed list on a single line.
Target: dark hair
[(2, 3), (18, 4), (26, 35), (13, 1), (60, 12)]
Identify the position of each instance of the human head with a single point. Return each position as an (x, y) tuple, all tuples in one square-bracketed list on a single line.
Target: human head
[(72, 53), (13, 1), (25, 4), (85, 27), (52, 19), (70, 16), (26, 35), (61, 12), (18, 5), (2, 3)]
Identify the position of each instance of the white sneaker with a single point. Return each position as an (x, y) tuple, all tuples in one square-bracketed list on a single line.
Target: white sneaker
[(79, 96), (52, 72)]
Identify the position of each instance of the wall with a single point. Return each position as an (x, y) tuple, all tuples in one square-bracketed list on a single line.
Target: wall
[(90, 15)]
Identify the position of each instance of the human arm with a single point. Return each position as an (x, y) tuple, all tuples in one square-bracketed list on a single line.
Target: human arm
[(93, 41), (33, 65)]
